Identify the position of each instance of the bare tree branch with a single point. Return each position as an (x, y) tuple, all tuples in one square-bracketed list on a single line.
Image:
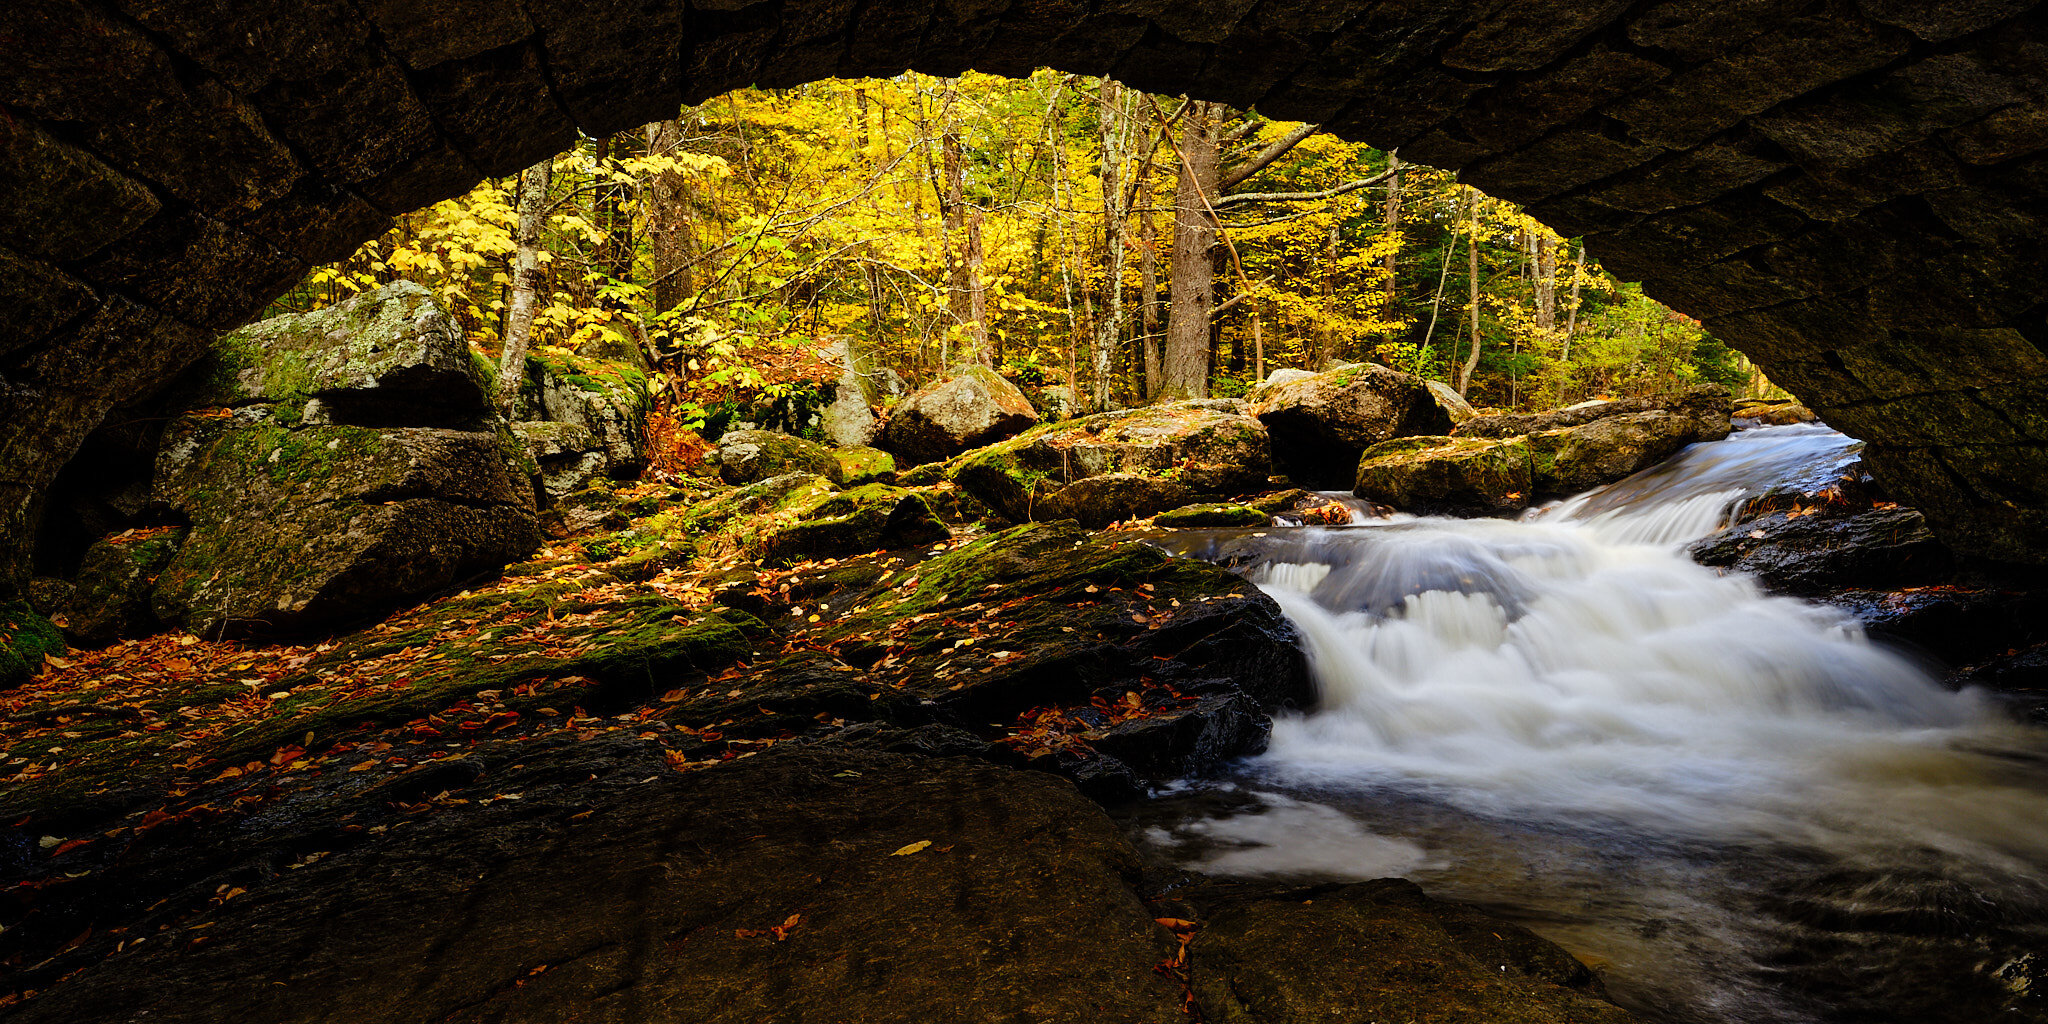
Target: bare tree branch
[(1263, 158)]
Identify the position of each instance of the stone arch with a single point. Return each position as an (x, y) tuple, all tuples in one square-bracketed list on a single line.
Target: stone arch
[(1850, 191)]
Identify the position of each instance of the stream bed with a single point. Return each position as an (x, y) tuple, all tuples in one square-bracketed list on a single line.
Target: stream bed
[(1735, 805)]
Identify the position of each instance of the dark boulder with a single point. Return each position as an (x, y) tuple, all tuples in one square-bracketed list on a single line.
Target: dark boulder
[(112, 596), (1321, 422), (1803, 551)]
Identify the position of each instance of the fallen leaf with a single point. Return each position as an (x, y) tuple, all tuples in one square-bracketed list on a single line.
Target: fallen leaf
[(912, 848)]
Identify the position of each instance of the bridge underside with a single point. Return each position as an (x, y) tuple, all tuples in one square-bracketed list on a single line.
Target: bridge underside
[(1851, 192)]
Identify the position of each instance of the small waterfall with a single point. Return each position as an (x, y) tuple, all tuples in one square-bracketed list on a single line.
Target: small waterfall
[(1661, 766)]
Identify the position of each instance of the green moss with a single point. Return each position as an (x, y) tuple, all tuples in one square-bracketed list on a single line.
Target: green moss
[(26, 638), (859, 464), (1214, 514)]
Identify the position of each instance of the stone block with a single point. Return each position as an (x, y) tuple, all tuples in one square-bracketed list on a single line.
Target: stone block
[(496, 109), (43, 299), (1523, 35), (1558, 163), (1689, 179), (1520, 111), (615, 63), (46, 189), (423, 35)]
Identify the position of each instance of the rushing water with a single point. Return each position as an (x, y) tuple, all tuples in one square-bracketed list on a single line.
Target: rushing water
[(1735, 804)]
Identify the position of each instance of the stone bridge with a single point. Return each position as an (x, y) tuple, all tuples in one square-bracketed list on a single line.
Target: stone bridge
[(1853, 192)]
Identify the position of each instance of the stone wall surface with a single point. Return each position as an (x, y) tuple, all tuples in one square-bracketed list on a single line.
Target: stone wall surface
[(1853, 192)]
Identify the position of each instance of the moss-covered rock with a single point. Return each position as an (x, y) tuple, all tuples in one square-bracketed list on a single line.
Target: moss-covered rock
[(1481, 475), (867, 518), (975, 406), (859, 464), (608, 399), (1447, 475), (750, 456), (301, 529), (112, 599), (1707, 407), (1321, 423), (566, 456), (26, 638), (1212, 514), (1124, 464)]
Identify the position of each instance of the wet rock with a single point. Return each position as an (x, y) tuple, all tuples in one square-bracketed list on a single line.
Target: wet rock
[(1709, 406), (1120, 465), (859, 465), (308, 528), (1579, 458), (750, 456), (1377, 951), (1809, 552), (112, 597), (972, 408), (2019, 678), (1321, 423), (1044, 640), (1212, 514), (26, 638)]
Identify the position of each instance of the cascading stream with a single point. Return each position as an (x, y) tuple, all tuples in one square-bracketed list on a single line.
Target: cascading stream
[(1738, 802)]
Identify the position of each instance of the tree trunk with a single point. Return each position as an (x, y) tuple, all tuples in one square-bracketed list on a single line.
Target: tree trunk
[(1148, 286), (529, 279), (1184, 371), (1571, 319), (1113, 132), (963, 256), (1390, 216), (1472, 294), (671, 239), (1544, 268), (1326, 335)]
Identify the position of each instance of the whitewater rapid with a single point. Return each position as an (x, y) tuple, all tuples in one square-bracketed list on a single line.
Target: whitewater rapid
[(1566, 718)]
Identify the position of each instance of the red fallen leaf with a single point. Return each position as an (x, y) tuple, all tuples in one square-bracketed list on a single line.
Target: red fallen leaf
[(287, 754), (68, 846)]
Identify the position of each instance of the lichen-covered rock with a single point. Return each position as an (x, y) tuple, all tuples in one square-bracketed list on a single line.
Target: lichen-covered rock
[(389, 357), (859, 464), (1121, 465), (569, 456), (26, 638), (112, 599), (307, 528), (1709, 406), (1321, 423), (973, 407), (610, 400), (1447, 475), (1212, 514), (868, 518), (751, 456)]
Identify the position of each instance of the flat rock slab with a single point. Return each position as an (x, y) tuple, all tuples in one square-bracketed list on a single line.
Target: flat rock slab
[(820, 884), (787, 887)]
